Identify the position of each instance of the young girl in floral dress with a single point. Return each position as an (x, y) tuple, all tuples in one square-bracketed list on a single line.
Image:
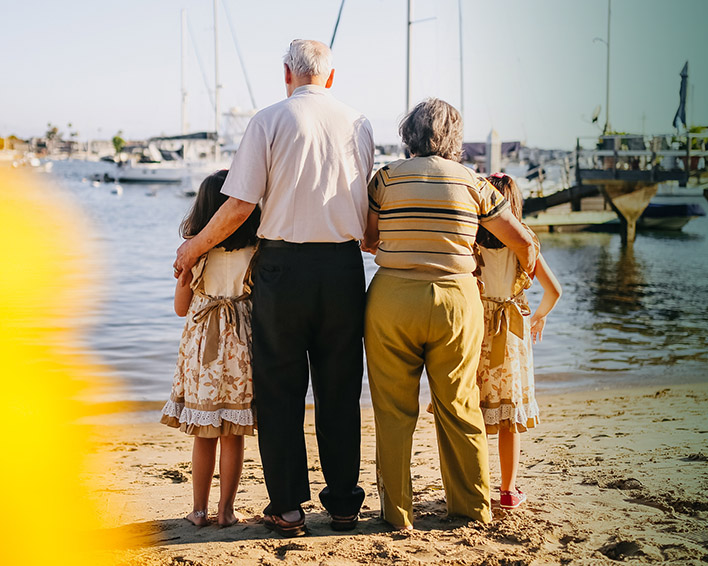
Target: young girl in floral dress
[(505, 372), (212, 389)]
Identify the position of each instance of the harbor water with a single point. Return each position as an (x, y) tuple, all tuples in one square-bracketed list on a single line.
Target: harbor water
[(627, 316)]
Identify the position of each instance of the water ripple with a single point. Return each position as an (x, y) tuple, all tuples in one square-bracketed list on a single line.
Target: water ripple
[(626, 314)]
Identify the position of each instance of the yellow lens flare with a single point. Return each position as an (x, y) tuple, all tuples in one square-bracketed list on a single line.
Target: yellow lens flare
[(46, 489)]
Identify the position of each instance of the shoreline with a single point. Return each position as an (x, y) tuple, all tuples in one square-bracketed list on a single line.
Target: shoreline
[(549, 385), (611, 475)]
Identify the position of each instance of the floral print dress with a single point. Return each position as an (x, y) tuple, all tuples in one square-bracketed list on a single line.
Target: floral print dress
[(505, 372), (212, 389)]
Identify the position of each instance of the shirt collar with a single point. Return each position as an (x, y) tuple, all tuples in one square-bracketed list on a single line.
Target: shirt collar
[(309, 89)]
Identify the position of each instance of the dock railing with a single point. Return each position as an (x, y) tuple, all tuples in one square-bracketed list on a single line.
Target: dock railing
[(653, 158)]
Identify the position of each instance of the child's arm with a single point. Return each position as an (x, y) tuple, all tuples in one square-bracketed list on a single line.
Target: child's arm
[(551, 293), (183, 295)]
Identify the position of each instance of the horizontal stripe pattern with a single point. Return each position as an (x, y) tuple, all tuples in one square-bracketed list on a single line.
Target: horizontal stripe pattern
[(429, 209)]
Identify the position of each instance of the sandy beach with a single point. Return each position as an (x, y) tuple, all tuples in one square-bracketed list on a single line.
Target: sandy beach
[(612, 475)]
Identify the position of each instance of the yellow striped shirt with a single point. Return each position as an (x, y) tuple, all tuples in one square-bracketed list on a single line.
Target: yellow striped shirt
[(429, 209)]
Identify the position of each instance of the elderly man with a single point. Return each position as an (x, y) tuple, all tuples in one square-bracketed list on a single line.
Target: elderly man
[(307, 159)]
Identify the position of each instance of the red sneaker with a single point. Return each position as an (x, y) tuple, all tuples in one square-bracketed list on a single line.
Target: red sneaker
[(511, 499)]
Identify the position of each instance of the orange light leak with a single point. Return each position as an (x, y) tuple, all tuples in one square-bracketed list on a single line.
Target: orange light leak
[(45, 485)]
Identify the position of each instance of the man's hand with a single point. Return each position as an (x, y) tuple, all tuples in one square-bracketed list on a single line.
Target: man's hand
[(369, 247), (184, 262), (227, 219)]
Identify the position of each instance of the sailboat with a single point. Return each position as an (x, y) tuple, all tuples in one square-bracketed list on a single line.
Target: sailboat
[(188, 157)]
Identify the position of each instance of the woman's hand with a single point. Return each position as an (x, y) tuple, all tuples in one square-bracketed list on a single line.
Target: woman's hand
[(514, 236), (537, 325)]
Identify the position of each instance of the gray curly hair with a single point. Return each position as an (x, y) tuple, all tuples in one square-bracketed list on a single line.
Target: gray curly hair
[(308, 58), (433, 127)]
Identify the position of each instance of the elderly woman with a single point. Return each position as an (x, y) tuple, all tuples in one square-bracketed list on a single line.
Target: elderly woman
[(424, 309)]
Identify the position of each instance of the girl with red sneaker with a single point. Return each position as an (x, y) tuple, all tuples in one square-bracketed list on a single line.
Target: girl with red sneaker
[(505, 372)]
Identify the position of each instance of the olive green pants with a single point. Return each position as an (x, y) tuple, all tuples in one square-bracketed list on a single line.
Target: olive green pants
[(437, 324)]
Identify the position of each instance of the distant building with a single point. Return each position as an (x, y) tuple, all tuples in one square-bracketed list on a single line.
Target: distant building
[(475, 153)]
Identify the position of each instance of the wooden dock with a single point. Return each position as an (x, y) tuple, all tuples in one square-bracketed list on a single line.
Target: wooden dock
[(625, 171)]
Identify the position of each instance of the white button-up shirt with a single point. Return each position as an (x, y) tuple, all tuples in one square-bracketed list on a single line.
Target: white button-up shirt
[(308, 159)]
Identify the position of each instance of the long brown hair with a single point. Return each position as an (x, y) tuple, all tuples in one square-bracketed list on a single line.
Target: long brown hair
[(510, 191), (208, 200)]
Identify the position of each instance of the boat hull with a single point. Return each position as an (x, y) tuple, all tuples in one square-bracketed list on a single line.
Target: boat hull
[(149, 173), (655, 217)]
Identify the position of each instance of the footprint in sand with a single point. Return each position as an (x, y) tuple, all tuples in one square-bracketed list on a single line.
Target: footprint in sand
[(618, 550), (175, 475)]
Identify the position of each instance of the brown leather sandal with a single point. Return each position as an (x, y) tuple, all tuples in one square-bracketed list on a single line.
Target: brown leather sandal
[(285, 528)]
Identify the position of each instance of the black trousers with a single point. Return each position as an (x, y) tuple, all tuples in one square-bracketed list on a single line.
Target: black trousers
[(308, 312)]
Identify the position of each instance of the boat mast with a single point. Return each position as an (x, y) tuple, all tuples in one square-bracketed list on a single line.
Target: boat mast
[(217, 86), (183, 74), (336, 25), (408, 59), (462, 68), (607, 81), (229, 19), (408, 53)]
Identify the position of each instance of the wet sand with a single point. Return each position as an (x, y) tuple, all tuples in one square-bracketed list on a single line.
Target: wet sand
[(613, 475)]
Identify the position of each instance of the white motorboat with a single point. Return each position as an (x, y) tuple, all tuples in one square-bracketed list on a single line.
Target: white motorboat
[(159, 172)]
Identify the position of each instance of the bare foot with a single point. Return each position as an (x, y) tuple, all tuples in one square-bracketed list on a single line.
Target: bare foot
[(228, 517), (198, 518)]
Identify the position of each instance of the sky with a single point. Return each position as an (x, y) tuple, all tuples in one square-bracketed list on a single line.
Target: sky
[(533, 70)]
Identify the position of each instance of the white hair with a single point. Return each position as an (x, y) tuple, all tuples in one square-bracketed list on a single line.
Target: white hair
[(308, 58)]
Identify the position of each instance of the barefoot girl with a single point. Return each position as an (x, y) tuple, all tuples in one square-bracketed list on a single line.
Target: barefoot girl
[(212, 390), (505, 372)]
